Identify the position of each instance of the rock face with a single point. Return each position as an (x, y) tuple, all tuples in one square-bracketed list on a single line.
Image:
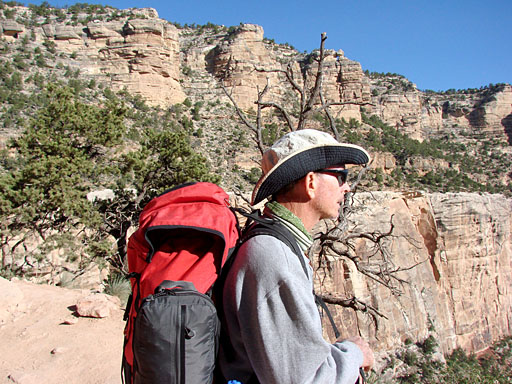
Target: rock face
[(343, 82), (475, 265), (238, 55), (453, 253), (11, 28), (143, 56), (409, 113), (135, 50), (422, 115), (492, 116), (139, 52)]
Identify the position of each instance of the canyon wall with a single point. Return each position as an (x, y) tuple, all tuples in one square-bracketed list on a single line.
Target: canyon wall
[(148, 56), (452, 260)]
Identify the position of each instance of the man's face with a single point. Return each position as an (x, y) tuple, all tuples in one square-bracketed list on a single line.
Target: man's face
[(332, 190)]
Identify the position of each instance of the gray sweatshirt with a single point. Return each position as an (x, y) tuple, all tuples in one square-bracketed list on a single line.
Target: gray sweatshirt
[(274, 325)]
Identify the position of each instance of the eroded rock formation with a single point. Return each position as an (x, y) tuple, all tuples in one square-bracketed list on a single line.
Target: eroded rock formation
[(454, 251), (151, 57)]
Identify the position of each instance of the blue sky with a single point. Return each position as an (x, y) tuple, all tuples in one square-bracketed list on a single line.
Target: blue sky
[(437, 44)]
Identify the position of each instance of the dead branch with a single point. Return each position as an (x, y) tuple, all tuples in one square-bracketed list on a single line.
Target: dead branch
[(308, 98), (378, 265), (237, 109), (332, 122), (340, 103), (352, 302), (307, 108), (241, 115), (288, 73), (356, 304), (281, 109), (258, 117)]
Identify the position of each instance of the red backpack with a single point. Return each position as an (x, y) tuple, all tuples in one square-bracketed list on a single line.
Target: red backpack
[(184, 238)]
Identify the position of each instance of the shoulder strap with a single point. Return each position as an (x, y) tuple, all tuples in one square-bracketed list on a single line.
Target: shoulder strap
[(276, 229), (321, 303)]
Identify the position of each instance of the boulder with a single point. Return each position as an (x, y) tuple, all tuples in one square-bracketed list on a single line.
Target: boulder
[(97, 305), (11, 27)]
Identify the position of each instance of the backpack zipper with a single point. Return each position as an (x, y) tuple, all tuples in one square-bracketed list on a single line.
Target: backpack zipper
[(183, 332), (179, 292)]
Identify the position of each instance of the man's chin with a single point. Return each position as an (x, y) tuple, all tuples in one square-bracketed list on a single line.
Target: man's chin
[(334, 216)]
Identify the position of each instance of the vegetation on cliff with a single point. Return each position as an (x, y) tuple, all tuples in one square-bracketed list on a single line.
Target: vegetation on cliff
[(420, 363), (70, 147), (467, 163)]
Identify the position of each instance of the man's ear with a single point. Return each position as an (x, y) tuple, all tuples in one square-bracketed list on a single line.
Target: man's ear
[(311, 184)]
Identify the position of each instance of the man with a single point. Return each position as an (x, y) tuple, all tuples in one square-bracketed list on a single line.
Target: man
[(271, 319)]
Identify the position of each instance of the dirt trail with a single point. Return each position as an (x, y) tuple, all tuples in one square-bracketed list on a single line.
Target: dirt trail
[(38, 346)]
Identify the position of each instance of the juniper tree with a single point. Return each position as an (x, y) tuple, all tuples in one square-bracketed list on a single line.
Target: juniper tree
[(59, 155), (71, 148), (165, 159)]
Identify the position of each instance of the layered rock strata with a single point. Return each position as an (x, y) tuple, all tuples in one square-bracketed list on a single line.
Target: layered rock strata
[(135, 50), (450, 256)]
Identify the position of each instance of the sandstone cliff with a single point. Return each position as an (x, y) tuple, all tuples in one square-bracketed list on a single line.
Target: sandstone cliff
[(136, 50), (453, 253), (164, 64)]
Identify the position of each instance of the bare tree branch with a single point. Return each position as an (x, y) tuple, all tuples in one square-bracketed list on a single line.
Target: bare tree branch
[(309, 98), (332, 123), (281, 110), (340, 103), (356, 304), (259, 134), (352, 302), (254, 128), (306, 110), (288, 73)]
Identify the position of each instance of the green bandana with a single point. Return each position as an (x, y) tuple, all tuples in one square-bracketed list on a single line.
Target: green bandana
[(278, 212)]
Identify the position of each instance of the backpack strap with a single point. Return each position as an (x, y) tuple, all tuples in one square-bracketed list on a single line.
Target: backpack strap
[(272, 227), (321, 303)]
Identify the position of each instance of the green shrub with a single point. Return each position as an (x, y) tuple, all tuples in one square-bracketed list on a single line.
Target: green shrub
[(410, 358), (254, 175), (118, 285), (187, 103), (429, 345), (459, 367)]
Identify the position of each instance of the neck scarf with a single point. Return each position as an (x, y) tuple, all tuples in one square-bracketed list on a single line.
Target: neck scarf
[(278, 212)]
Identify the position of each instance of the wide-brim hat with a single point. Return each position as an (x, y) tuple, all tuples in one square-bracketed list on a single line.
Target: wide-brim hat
[(296, 154)]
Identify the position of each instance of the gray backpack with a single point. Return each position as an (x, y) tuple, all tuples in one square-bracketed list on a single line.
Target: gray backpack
[(176, 332)]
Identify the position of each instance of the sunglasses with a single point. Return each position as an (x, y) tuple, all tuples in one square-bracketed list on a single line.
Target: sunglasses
[(341, 174)]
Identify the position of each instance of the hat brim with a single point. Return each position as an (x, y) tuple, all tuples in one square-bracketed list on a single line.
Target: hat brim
[(299, 164)]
